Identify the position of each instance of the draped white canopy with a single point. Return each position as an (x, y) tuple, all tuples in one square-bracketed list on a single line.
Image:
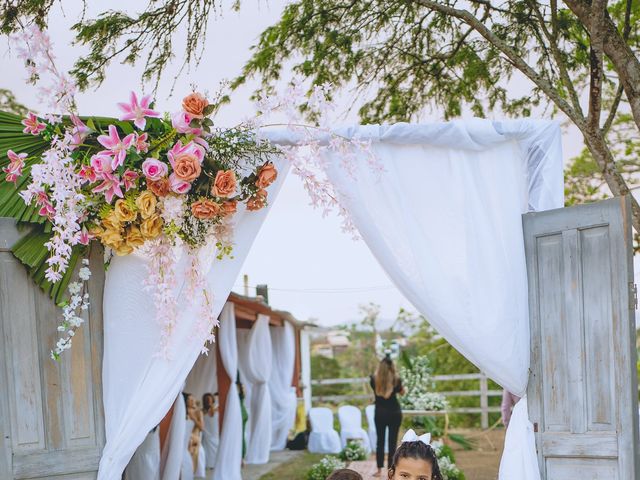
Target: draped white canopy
[(443, 220)]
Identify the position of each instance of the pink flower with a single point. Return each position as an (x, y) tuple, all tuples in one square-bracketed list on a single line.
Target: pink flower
[(116, 147), (101, 163), (154, 169), (88, 173), (32, 124), (190, 148), (137, 111), (15, 166), (47, 210), (84, 237), (180, 121), (79, 131), (110, 186), (141, 143), (129, 178), (177, 185), (42, 198)]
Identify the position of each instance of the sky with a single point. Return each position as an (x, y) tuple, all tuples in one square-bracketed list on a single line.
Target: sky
[(312, 269)]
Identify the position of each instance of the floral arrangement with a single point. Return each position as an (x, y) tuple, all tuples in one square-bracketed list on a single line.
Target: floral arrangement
[(145, 181), (325, 467), (353, 452), (416, 379)]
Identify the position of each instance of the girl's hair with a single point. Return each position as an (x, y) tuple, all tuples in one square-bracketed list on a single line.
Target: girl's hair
[(345, 474), (207, 401), (420, 451), (385, 378)]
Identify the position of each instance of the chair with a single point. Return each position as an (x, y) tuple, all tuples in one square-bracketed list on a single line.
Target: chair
[(323, 437), (370, 412), (351, 426)]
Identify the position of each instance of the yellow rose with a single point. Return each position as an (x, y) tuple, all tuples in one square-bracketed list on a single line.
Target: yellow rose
[(133, 237), (111, 238), (123, 249), (151, 227), (124, 212), (146, 203), (96, 230), (111, 222)]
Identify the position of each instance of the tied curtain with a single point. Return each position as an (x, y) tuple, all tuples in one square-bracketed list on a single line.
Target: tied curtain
[(443, 219), (283, 394), (229, 459), (257, 363), (139, 385)]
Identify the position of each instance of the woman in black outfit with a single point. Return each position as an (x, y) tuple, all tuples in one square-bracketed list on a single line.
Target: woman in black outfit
[(386, 386)]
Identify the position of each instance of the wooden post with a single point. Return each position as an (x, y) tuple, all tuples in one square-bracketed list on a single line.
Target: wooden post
[(484, 403), (224, 382), (295, 381)]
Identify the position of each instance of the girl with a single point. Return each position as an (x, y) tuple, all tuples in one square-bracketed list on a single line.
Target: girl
[(415, 459), (210, 434), (386, 386)]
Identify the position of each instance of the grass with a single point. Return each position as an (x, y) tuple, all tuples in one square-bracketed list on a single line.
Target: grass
[(296, 469)]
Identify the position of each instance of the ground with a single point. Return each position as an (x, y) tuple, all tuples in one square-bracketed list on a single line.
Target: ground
[(481, 463)]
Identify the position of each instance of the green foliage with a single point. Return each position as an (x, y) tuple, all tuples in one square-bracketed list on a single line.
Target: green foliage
[(8, 103), (324, 468), (353, 452)]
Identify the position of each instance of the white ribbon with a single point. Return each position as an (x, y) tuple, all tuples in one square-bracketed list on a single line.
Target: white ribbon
[(411, 436)]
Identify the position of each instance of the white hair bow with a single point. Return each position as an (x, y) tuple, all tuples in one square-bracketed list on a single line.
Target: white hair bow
[(411, 436)]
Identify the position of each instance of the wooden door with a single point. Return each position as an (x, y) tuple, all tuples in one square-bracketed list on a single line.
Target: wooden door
[(51, 417), (583, 394)]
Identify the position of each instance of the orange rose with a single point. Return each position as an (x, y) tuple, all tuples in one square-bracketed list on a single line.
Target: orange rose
[(229, 207), (187, 167), (225, 183), (258, 201), (267, 175), (205, 209), (160, 187), (194, 104)]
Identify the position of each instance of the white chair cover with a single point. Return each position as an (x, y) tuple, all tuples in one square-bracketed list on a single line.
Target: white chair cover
[(370, 412), (323, 438), (283, 394), (145, 463), (186, 472), (138, 385), (258, 365), (350, 418), (211, 438), (172, 453), (229, 459)]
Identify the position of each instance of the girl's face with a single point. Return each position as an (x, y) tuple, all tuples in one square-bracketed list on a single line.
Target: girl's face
[(191, 402), (412, 469)]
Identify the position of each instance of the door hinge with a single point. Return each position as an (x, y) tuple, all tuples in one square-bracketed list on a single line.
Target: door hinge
[(535, 427), (633, 296)]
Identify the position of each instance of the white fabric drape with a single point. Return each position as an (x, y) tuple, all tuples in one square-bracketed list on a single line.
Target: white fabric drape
[(172, 450), (242, 335), (258, 371), (202, 377), (229, 458), (283, 394), (145, 463), (138, 385), (444, 221)]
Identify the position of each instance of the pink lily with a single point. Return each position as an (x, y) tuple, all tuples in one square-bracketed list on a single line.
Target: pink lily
[(84, 237), (190, 148), (116, 147), (177, 185), (32, 124), (137, 111), (16, 164), (129, 178), (88, 173), (141, 143), (42, 198), (110, 186), (47, 210), (79, 131)]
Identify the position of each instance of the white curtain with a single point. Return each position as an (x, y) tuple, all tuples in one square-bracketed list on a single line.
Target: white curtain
[(243, 359), (258, 371), (202, 377), (444, 221), (229, 459), (283, 394), (172, 452), (139, 385)]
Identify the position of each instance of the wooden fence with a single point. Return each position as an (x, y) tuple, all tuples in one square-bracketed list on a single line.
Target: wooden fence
[(483, 393)]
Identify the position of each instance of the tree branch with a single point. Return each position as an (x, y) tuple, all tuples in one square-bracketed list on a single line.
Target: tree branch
[(598, 8)]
